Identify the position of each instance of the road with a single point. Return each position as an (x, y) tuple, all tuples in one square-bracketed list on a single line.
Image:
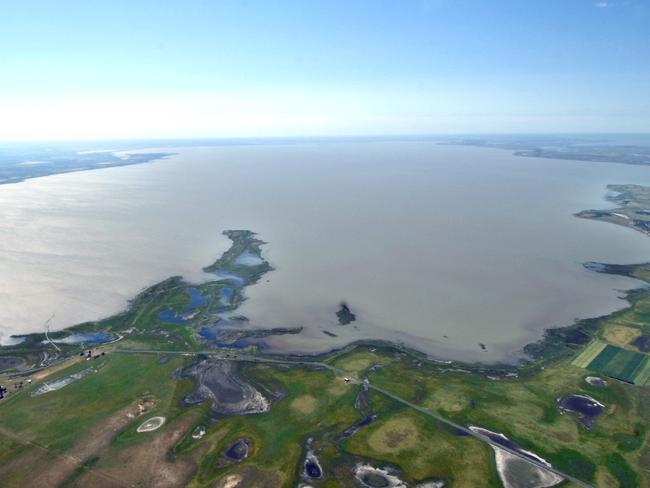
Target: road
[(340, 372)]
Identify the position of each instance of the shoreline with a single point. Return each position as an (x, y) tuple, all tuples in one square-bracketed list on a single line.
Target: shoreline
[(555, 344), (522, 356), (67, 162)]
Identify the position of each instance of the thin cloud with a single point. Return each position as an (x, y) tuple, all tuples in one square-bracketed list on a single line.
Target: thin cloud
[(612, 4)]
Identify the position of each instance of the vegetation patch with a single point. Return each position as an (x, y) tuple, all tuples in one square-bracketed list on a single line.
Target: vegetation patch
[(573, 462), (359, 362), (621, 470), (589, 353), (395, 435), (338, 388), (621, 335), (304, 404)]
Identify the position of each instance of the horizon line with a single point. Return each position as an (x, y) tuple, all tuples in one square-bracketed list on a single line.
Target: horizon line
[(318, 137)]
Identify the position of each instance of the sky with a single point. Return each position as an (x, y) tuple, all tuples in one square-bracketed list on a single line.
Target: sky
[(263, 68)]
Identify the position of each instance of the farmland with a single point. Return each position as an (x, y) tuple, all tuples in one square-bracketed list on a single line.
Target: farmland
[(616, 362)]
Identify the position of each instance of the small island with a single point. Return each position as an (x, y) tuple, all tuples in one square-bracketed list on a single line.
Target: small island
[(345, 315)]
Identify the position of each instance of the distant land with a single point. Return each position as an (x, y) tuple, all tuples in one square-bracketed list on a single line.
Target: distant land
[(21, 161), (24, 161), (615, 148)]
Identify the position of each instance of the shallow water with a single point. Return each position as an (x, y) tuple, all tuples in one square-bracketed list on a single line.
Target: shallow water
[(517, 473), (226, 296), (171, 317), (197, 299), (423, 241), (85, 338), (222, 275), (248, 259)]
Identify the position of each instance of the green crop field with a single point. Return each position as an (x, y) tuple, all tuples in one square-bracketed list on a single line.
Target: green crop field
[(588, 355), (616, 362)]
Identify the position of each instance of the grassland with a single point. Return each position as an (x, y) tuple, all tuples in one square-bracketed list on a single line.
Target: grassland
[(87, 422), (73, 425), (93, 422), (589, 354)]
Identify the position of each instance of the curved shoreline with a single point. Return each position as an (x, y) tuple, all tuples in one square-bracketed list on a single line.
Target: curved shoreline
[(543, 351), (546, 349), (556, 343)]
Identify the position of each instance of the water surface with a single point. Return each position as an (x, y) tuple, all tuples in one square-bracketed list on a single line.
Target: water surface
[(440, 247)]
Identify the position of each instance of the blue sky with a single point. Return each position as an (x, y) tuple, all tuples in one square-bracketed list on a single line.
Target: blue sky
[(106, 69)]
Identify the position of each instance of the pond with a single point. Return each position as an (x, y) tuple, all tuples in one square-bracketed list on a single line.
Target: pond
[(171, 317), (372, 477), (313, 468), (224, 275), (238, 450), (587, 408), (226, 296), (248, 259), (197, 299), (85, 338)]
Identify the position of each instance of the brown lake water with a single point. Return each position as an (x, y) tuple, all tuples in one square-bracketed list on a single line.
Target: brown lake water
[(438, 247)]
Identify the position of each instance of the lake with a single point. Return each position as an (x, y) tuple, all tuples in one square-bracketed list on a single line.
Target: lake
[(438, 247)]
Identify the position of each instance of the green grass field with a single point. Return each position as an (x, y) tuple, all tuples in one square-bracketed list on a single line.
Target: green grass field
[(319, 405), (588, 354), (525, 410)]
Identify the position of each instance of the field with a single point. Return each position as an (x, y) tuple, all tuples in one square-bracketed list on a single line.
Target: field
[(68, 428), (588, 354), (616, 362), (86, 433)]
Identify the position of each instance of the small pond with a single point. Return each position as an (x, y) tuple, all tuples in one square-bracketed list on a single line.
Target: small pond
[(197, 299), (587, 408), (85, 338), (238, 451), (171, 317), (248, 259), (372, 477), (313, 468)]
